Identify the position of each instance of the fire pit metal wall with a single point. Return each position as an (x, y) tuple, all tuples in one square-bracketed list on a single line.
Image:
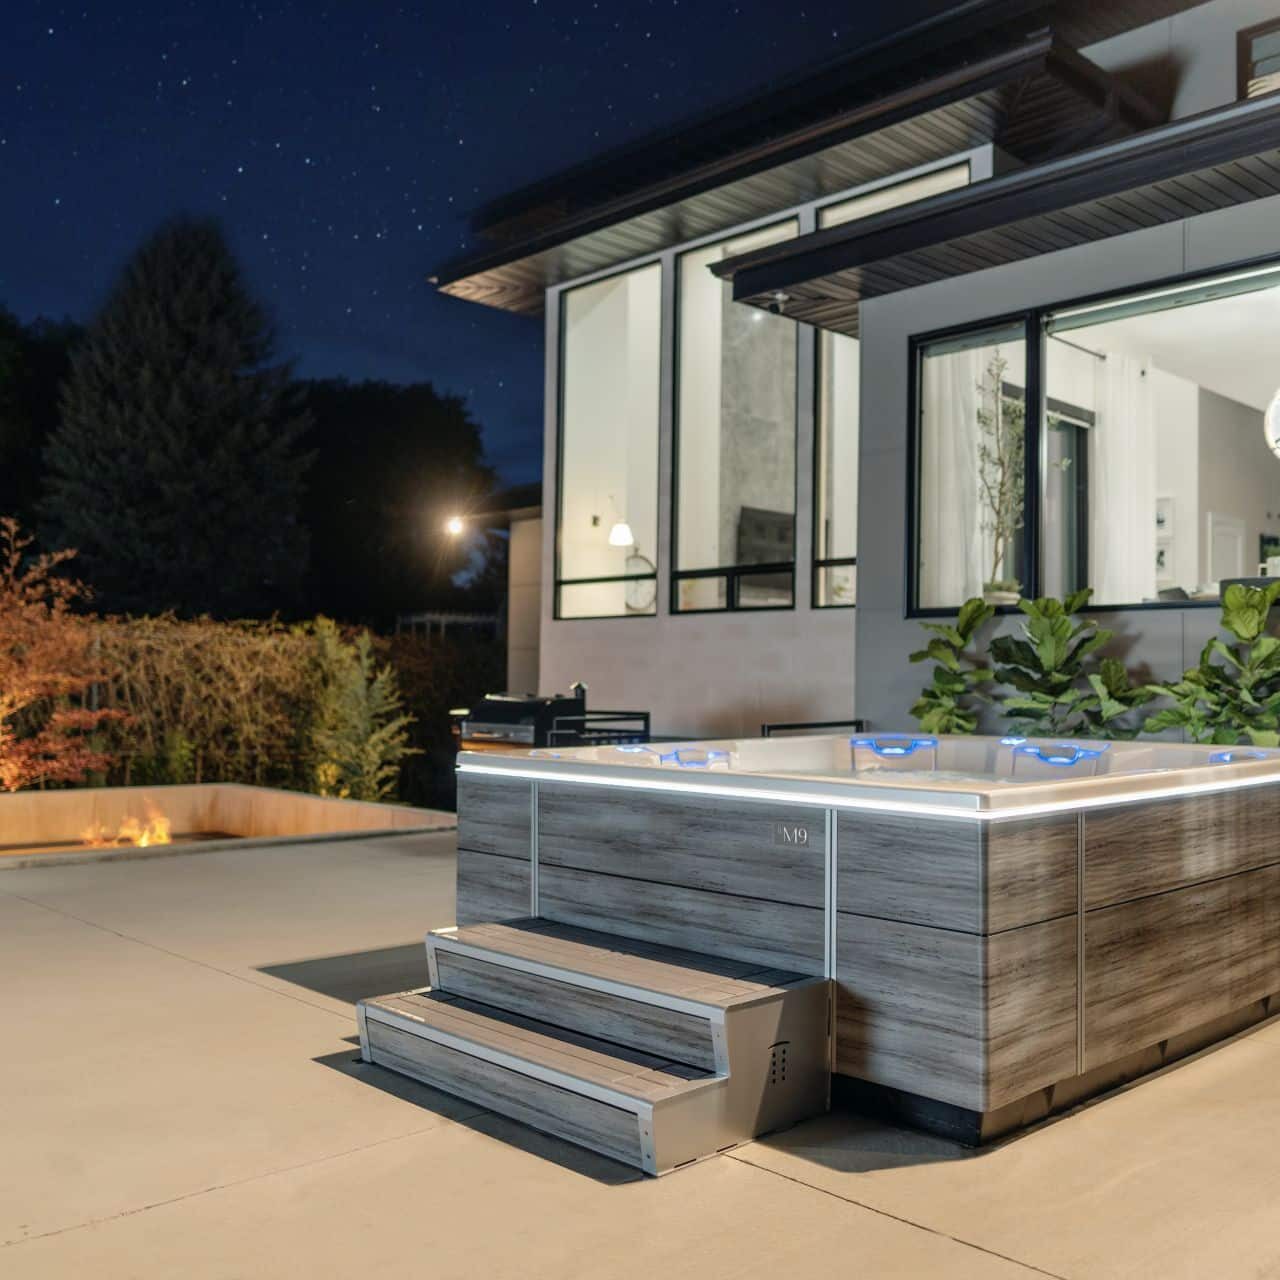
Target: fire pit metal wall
[(86, 823)]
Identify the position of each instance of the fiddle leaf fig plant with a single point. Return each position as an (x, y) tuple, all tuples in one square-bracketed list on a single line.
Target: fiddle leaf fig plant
[(949, 702), (1056, 688), (1237, 699)]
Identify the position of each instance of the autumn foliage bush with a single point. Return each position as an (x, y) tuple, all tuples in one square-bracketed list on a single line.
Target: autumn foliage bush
[(49, 667), (154, 700)]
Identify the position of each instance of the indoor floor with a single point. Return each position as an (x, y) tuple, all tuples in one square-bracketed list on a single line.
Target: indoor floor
[(180, 1095)]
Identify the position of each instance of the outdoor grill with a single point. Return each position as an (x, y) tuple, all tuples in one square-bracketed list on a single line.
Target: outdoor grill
[(505, 720)]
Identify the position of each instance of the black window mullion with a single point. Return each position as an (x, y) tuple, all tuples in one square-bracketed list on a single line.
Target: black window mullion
[(1034, 429)]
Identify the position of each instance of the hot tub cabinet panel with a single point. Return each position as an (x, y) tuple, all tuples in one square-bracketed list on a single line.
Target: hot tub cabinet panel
[(957, 873), (495, 842), (1008, 925), (495, 815), (1140, 849), (1163, 965), (492, 888), (750, 849), (968, 1019), (773, 934)]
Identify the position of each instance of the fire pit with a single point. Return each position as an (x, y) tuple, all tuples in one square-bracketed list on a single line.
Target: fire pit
[(98, 824)]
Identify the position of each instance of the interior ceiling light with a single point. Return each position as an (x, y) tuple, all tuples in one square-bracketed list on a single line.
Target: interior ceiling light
[(621, 536), (1271, 424)]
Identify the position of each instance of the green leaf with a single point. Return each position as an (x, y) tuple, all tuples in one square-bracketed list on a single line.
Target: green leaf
[(1077, 600), (973, 613)]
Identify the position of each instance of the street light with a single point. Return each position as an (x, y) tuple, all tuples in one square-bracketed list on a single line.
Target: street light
[(454, 526)]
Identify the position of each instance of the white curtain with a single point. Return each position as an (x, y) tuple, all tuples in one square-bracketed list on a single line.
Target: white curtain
[(1122, 484), (955, 550)]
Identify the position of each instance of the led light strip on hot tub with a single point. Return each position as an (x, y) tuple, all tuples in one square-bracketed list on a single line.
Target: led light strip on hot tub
[(837, 796)]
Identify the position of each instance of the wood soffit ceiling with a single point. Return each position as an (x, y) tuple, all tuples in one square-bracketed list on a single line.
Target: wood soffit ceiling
[(1224, 157), (1033, 96)]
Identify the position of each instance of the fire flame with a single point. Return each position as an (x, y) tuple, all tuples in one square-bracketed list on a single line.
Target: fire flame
[(132, 831)]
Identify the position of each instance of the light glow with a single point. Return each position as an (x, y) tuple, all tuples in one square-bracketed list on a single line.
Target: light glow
[(1271, 424), (454, 526), (621, 536), (917, 808)]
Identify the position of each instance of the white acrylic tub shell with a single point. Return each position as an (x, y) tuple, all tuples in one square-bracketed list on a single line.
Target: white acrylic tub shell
[(906, 770)]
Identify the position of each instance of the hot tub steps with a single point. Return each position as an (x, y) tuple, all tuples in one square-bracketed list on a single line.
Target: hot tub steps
[(648, 1054)]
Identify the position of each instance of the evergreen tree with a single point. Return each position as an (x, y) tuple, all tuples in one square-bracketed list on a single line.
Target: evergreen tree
[(174, 469)]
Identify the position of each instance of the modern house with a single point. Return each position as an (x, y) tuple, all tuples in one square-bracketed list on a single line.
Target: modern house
[(992, 305)]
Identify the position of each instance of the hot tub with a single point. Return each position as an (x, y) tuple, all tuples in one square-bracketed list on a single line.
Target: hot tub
[(1010, 924)]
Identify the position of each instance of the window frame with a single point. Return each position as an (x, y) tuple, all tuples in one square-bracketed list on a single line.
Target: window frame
[(558, 581), (1244, 53), (825, 562), (979, 161), (731, 573), (1032, 321)]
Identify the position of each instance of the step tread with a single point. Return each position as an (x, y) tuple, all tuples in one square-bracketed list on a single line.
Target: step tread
[(600, 1062), (670, 971)]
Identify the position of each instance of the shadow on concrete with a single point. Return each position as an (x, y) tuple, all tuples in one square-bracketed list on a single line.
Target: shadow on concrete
[(847, 1142), (359, 974), (575, 1159)]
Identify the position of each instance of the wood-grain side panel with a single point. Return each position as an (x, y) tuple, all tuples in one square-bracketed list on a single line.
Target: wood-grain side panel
[(774, 934), (909, 1008), (751, 849), (1031, 981), (542, 1106), (1031, 870), (1135, 850), (971, 1020), (491, 888), (917, 870), (1160, 966), (682, 1037), (494, 815), (954, 874)]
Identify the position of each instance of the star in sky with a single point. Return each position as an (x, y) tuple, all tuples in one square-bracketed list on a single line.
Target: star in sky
[(342, 144)]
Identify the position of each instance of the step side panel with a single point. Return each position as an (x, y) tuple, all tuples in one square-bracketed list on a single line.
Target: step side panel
[(668, 1033), (595, 1125)]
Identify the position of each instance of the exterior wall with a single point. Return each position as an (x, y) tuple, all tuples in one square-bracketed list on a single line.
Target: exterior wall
[(524, 605), (1189, 60), (1166, 639), (708, 674)]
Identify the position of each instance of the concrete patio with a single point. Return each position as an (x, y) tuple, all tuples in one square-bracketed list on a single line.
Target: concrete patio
[(180, 1096)]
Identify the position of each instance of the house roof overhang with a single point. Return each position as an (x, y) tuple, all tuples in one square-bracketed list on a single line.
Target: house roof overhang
[(1224, 157), (978, 76)]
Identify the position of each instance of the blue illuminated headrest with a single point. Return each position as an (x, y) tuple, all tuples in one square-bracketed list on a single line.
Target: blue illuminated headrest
[(1231, 757), (1063, 754), (893, 744)]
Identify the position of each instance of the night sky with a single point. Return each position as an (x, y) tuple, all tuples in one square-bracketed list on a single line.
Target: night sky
[(343, 145)]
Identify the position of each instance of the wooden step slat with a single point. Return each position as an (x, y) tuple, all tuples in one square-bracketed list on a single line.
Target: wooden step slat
[(663, 971), (641, 1076), (540, 1105)]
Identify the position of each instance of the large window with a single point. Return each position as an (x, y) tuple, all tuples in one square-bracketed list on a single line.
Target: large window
[(736, 441), (1172, 388), (609, 389), (971, 467), (1152, 470), (835, 489)]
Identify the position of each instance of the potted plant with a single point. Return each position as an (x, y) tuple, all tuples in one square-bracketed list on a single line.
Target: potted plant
[(949, 703), (1002, 422), (1057, 686), (1237, 699)]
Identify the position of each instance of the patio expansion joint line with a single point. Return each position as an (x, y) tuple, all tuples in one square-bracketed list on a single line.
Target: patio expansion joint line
[(220, 1186), (176, 955), (894, 1217)]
